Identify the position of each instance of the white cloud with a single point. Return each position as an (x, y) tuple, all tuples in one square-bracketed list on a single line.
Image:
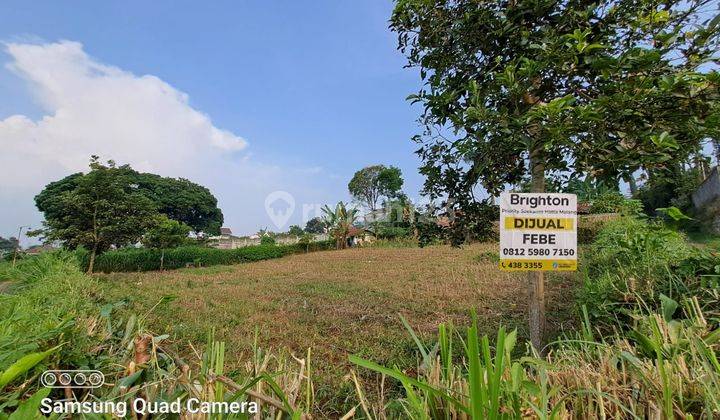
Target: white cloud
[(91, 108)]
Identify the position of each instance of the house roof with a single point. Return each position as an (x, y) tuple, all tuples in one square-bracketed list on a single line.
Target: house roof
[(225, 231), (39, 249), (355, 231)]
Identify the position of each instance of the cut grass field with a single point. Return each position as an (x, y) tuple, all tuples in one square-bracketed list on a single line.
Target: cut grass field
[(337, 303)]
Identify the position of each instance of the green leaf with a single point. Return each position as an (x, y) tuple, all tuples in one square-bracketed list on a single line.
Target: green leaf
[(674, 213), (669, 306), (30, 409), (415, 338), (129, 380), (396, 374), (23, 365)]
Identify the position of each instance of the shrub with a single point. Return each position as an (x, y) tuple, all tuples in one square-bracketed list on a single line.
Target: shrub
[(267, 240), (475, 222), (670, 187), (472, 222), (391, 232), (589, 226), (633, 263), (144, 259), (614, 202), (430, 233), (48, 305)]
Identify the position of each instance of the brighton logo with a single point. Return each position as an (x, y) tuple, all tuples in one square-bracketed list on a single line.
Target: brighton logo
[(280, 205), (88, 379)]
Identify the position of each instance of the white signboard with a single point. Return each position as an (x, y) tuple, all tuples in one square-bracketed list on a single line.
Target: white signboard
[(538, 231)]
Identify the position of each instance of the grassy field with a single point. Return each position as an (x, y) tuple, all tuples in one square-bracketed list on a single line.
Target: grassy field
[(336, 302)]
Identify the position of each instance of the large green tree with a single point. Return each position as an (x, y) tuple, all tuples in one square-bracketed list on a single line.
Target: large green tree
[(533, 87), (371, 183), (183, 200), (177, 198), (103, 209), (315, 225), (165, 234), (8, 246), (295, 230)]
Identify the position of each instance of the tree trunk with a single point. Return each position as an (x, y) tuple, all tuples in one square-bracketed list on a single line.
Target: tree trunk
[(91, 265), (536, 279), (162, 259)]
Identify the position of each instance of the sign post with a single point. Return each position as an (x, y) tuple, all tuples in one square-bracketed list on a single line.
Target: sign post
[(538, 232)]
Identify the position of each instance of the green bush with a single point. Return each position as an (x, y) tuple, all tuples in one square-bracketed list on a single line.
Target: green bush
[(670, 187), (614, 202), (589, 226), (634, 262), (48, 305), (144, 259), (267, 240), (392, 232), (430, 233)]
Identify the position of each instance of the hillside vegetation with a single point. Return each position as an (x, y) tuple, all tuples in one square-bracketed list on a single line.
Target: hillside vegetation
[(421, 333)]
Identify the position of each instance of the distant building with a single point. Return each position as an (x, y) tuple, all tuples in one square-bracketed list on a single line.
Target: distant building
[(226, 239), (39, 249), (379, 215), (359, 236), (706, 200)]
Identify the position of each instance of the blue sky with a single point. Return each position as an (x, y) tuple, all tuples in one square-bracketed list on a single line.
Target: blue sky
[(306, 92)]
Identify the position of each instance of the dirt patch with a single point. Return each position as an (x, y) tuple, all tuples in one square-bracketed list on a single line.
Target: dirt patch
[(5, 286)]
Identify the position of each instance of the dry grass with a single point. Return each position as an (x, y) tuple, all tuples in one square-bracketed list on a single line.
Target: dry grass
[(336, 302)]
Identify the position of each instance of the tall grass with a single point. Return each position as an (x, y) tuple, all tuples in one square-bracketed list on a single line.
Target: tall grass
[(648, 347), (51, 319), (665, 368)]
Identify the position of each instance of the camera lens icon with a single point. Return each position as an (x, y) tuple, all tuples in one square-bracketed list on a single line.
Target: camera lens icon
[(81, 379), (48, 379), (96, 379), (65, 379)]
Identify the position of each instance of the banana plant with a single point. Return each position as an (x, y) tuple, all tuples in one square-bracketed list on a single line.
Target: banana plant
[(339, 220)]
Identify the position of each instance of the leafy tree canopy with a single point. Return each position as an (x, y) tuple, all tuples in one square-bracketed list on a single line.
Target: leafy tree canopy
[(178, 199), (539, 86), (103, 209), (296, 230), (8, 245), (672, 187), (371, 183), (315, 225), (166, 233)]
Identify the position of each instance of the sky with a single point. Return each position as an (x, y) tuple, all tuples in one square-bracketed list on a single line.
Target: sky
[(249, 98)]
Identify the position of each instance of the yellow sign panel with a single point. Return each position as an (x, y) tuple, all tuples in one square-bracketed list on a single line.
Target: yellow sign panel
[(537, 265), (539, 223)]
